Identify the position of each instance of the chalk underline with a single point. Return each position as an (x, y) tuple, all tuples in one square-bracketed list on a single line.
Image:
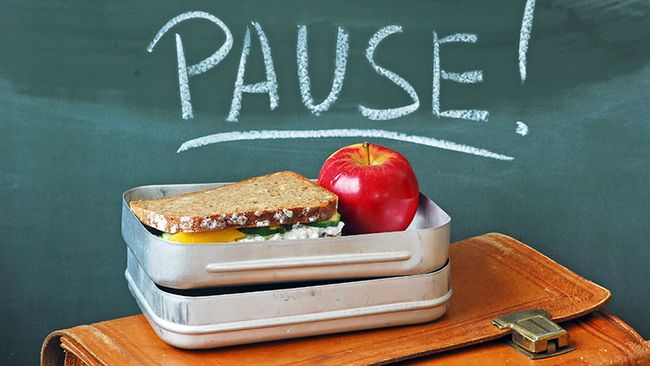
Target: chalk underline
[(368, 133)]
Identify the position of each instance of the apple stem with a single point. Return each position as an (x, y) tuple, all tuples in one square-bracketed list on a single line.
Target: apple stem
[(367, 147)]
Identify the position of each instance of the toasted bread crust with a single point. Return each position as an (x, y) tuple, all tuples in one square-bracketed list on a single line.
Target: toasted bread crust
[(317, 205)]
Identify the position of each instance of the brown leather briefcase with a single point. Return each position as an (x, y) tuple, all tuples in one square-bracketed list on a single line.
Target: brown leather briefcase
[(501, 286)]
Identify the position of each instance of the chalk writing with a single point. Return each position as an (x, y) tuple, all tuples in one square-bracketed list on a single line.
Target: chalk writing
[(522, 129), (391, 113), (185, 72), (269, 86), (524, 37), (469, 77), (306, 134), (342, 49)]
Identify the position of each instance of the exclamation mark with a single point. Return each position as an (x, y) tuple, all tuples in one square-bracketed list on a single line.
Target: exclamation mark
[(524, 37)]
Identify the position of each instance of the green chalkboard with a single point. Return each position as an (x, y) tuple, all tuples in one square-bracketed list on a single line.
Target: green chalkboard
[(552, 147)]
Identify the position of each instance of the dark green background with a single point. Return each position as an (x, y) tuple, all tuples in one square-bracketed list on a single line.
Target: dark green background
[(86, 113)]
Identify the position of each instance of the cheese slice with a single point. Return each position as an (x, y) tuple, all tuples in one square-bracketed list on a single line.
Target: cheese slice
[(218, 236)]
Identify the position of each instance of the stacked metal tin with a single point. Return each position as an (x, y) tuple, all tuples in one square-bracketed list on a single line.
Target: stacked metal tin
[(212, 295)]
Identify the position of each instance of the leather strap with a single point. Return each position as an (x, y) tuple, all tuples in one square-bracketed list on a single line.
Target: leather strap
[(600, 338)]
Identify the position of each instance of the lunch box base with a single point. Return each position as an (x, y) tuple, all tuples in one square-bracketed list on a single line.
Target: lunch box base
[(199, 322), (233, 338)]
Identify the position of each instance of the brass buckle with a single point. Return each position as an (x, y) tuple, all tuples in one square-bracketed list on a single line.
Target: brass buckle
[(534, 334)]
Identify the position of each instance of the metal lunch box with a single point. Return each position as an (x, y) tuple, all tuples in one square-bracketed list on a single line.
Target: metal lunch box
[(422, 248), (224, 316)]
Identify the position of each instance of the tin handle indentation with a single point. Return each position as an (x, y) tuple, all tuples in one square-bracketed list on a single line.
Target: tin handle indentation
[(293, 262)]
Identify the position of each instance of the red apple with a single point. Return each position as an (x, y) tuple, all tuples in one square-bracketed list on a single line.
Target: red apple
[(377, 188)]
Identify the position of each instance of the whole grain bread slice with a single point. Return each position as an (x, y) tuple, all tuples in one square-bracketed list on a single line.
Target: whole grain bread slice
[(281, 198)]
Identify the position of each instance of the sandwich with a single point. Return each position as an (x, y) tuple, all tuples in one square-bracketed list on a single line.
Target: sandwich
[(277, 206)]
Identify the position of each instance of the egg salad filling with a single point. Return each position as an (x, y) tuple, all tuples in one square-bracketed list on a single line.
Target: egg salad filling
[(331, 227)]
